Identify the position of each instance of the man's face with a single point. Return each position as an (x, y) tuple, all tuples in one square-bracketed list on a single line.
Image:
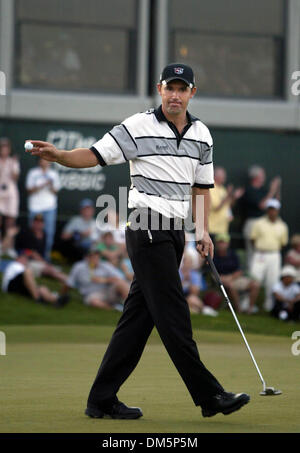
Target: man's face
[(44, 164), (222, 246), (260, 178), (108, 239), (272, 213), (38, 224), (287, 280), (5, 150), (93, 259), (87, 212), (220, 176), (175, 96)]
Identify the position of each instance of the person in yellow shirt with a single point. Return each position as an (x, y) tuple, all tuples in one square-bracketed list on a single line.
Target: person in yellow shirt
[(221, 200), (269, 234)]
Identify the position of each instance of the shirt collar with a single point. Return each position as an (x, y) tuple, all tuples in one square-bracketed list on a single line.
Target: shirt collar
[(159, 114)]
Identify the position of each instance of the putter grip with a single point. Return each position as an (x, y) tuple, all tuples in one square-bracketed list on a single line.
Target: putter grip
[(213, 269)]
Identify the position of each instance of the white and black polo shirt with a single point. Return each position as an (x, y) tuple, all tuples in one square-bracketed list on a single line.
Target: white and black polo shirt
[(164, 164)]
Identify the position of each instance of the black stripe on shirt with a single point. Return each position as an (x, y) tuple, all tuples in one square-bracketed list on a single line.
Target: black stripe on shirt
[(173, 138), (118, 145), (99, 157), (155, 195), (160, 180), (169, 155), (129, 135)]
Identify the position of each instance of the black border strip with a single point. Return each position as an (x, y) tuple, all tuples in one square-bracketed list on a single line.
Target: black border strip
[(155, 195), (161, 180), (168, 155), (204, 186), (173, 138), (99, 157), (129, 135), (174, 155)]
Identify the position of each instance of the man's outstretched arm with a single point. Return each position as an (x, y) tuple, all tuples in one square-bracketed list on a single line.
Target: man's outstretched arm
[(76, 158)]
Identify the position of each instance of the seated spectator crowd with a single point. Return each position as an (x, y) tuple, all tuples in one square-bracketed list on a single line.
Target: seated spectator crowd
[(98, 266)]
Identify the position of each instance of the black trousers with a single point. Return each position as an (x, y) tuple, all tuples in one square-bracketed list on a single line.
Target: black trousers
[(155, 299)]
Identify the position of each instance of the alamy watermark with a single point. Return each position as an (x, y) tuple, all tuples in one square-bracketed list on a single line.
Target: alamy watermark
[(296, 346), (2, 84), (2, 343), (139, 218), (295, 88)]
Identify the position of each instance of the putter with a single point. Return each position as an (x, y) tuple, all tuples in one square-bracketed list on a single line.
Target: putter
[(266, 391)]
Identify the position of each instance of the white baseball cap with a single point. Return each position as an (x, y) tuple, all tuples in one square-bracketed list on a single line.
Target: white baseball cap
[(288, 271), (273, 203)]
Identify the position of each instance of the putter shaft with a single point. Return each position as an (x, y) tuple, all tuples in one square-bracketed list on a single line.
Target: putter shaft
[(218, 280), (242, 333)]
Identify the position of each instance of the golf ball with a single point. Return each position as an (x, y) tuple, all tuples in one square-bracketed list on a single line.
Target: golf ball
[(28, 146)]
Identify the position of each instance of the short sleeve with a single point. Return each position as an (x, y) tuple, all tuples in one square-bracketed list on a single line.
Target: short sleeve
[(254, 230), (204, 177), (71, 225), (56, 181), (116, 147), (276, 288)]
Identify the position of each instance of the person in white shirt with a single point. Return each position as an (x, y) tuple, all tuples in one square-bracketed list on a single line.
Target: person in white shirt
[(18, 278), (171, 169), (42, 184), (100, 284), (286, 294)]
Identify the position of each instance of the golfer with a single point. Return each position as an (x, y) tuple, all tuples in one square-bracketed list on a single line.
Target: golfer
[(170, 155)]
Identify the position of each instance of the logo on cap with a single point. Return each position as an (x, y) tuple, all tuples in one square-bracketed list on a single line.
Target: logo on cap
[(178, 70)]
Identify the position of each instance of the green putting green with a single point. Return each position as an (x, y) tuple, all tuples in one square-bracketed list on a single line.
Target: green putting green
[(48, 370)]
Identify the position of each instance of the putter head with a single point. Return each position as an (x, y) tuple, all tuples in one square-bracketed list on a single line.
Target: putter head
[(269, 391)]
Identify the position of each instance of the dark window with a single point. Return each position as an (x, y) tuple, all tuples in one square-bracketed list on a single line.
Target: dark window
[(236, 47), (76, 45)]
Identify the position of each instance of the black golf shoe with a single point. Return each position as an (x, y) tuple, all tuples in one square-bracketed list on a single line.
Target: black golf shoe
[(226, 403), (118, 410)]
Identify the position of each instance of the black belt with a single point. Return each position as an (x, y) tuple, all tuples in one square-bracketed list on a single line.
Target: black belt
[(159, 221)]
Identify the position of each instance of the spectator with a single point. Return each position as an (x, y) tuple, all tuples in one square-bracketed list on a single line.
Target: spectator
[(110, 250), (18, 278), (254, 202), (9, 194), (32, 240), (231, 274), (193, 283), (42, 184), (293, 255), (221, 201), (114, 225), (99, 283), (77, 235), (286, 294), (269, 235)]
